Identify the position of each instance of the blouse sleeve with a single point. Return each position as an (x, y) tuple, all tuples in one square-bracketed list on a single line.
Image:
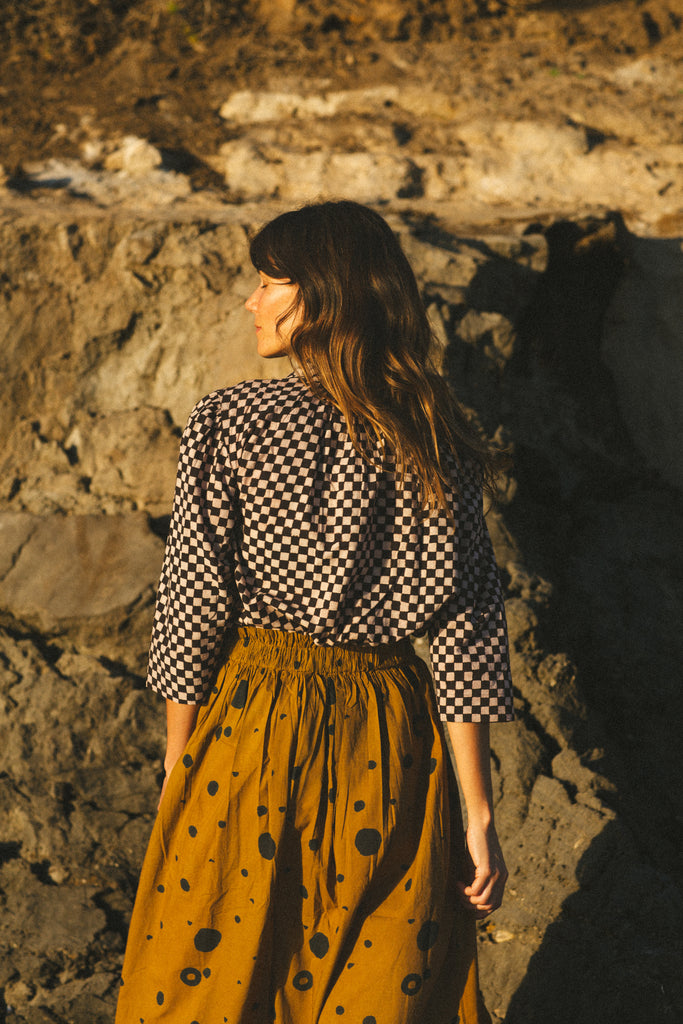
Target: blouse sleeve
[(468, 637), (196, 599)]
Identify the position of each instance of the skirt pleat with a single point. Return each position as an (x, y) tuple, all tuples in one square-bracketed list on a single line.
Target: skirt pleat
[(303, 864)]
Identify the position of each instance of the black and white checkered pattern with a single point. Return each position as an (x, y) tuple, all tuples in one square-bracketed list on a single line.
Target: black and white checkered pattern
[(279, 523)]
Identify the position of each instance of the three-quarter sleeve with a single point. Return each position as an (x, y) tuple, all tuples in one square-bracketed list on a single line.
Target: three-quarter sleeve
[(468, 637), (196, 599)]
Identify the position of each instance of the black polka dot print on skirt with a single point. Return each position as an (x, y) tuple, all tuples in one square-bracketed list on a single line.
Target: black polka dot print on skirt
[(369, 1020), (240, 696), (187, 761), (212, 788), (261, 810), (160, 998), (319, 945), (192, 831), (359, 805), (184, 885), (411, 984), (302, 981), (190, 976), (207, 939), (368, 841), (266, 846), (427, 935)]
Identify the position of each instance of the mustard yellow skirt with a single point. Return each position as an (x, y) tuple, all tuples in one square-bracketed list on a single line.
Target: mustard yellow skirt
[(302, 866)]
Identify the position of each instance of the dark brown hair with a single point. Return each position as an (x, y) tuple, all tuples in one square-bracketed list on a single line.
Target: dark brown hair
[(364, 341)]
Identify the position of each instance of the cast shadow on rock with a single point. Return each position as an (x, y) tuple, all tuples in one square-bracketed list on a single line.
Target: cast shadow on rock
[(592, 516), (613, 955)]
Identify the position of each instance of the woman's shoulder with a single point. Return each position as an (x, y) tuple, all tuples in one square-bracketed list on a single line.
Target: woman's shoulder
[(252, 402), (256, 397), (251, 396)]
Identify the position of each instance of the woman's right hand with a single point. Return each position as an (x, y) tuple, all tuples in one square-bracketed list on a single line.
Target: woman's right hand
[(484, 893)]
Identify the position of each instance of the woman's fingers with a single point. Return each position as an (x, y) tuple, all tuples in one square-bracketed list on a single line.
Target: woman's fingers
[(487, 883), (484, 893), (485, 902)]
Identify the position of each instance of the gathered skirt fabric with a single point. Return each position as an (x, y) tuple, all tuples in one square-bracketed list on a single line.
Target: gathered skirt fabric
[(303, 863)]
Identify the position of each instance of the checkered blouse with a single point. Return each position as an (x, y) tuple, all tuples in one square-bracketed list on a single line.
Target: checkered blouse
[(278, 522)]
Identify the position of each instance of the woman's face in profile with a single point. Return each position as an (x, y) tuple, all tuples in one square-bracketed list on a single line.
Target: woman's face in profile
[(268, 302)]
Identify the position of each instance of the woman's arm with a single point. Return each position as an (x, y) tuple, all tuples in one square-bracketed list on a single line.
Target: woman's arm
[(196, 598), (180, 723), (470, 742)]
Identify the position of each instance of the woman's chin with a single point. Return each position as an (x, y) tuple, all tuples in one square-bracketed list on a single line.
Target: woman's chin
[(269, 351)]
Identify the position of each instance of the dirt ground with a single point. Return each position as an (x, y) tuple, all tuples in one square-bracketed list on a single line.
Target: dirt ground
[(160, 69)]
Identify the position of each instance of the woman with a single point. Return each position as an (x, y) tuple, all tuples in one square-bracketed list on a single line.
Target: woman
[(307, 861)]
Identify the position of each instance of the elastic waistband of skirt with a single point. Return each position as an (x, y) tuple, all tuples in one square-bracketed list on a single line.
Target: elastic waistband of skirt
[(298, 651)]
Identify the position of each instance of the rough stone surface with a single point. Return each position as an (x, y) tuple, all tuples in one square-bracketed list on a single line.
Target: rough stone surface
[(105, 363), (443, 153), (643, 350), (73, 567), (50, 918)]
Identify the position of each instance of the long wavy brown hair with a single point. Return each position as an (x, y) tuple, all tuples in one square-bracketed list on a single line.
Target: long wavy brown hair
[(364, 342)]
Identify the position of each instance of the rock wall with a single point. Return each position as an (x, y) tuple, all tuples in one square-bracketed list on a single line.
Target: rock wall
[(405, 141), (114, 323)]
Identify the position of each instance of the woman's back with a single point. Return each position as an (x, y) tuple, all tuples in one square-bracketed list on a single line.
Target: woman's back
[(293, 529)]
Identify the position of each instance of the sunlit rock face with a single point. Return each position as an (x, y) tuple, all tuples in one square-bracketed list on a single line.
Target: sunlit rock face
[(387, 143)]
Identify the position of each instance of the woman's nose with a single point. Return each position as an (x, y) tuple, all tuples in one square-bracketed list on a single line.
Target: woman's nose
[(251, 303)]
